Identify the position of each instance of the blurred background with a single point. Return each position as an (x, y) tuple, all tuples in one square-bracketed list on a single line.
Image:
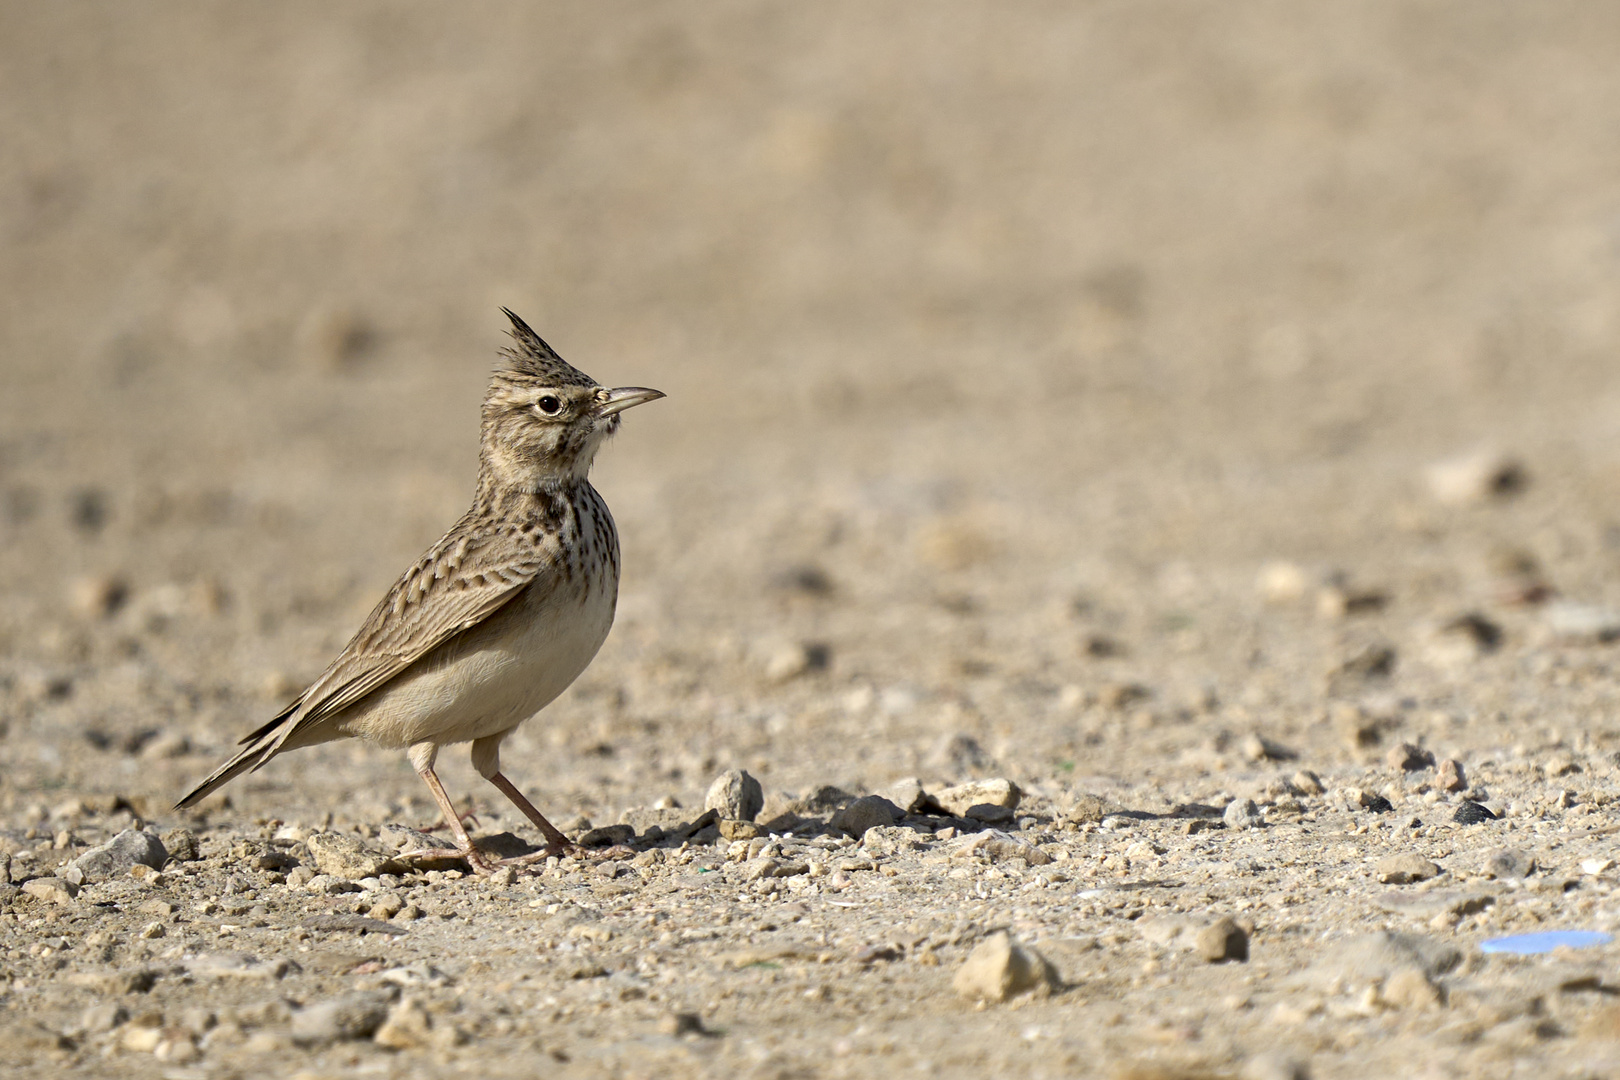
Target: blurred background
[(1004, 345)]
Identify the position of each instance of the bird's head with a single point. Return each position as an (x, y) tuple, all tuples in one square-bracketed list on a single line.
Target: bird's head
[(544, 419)]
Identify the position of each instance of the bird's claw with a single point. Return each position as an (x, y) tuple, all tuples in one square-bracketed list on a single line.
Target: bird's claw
[(480, 862)]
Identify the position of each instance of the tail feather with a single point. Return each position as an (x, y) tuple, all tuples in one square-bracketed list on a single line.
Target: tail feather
[(250, 758)]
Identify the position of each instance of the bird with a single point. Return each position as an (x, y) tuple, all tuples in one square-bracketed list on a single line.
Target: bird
[(497, 618)]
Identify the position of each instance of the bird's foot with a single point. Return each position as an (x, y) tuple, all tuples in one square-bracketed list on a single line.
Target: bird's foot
[(567, 851), (481, 862)]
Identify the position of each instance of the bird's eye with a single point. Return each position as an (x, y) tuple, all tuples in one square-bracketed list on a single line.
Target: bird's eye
[(549, 405)]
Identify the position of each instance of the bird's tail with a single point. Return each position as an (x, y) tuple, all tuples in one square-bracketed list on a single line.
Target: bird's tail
[(260, 747)]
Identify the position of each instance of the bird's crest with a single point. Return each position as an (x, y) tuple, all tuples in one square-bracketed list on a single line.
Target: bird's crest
[(533, 357)]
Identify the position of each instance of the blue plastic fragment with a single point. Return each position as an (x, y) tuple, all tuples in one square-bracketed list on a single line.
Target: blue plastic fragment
[(1546, 941)]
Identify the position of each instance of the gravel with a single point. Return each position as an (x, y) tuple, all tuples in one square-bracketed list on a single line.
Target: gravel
[(1051, 389)]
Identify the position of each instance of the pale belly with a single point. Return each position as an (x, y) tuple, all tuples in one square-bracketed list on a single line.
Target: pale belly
[(496, 675)]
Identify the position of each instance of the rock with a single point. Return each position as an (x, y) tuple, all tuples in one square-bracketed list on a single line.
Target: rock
[(735, 795), (1409, 988), (885, 840), (1372, 958), (1274, 1065), (235, 965), (388, 905), (1256, 747), (1242, 814), (181, 845), (908, 795), (176, 1047), (989, 813), (1465, 638), (1337, 601), (103, 1017), (1405, 869), (1373, 663), (1472, 813), (1580, 623), (1408, 757), (402, 838), (1087, 808), (166, 744), (791, 661), (353, 1016), (1508, 864), (51, 890), (962, 798), (5, 868), (1307, 782), (996, 845), (342, 856), (132, 847), (864, 813), (1000, 967), (608, 836), (1361, 799), (408, 1026), (1221, 941), (739, 830), (1282, 582), (1171, 931), (825, 799), (1433, 903), (1449, 776), (1475, 477), (678, 1024), (98, 595)]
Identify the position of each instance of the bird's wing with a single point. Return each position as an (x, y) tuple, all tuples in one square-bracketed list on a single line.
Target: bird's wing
[(462, 580)]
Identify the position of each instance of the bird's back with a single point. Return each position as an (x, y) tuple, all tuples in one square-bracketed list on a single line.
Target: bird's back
[(491, 677)]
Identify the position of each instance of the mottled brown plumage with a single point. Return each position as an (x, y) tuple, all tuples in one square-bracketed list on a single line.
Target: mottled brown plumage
[(497, 618)]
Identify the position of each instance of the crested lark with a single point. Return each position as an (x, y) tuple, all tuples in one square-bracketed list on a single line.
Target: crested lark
[(497, 618)]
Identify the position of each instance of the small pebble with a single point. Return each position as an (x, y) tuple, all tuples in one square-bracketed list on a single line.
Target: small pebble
[(1221, 941), (1449, 776), (1475, 477), (1307, 782), (352, 1016), (735, 795), (1001, 967), (103, 1017), (52, 890), (961, 799), (1408, 757), (678, 1024), (1472, 813), (1405, 868), (408, 1026), (1509, 864), (1242, 814), (1410, 989)]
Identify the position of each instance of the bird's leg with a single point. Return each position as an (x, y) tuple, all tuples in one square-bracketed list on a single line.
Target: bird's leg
[(467, 817), (556, 842), (464, 849), (486, 758)]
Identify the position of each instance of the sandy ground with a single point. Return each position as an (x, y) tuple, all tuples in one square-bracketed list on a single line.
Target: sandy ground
[(1054, 396)]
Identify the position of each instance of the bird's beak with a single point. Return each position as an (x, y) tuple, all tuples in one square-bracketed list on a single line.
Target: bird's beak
[(626, 397)]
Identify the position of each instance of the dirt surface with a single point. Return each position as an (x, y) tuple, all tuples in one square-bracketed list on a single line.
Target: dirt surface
[(1157, 407)]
